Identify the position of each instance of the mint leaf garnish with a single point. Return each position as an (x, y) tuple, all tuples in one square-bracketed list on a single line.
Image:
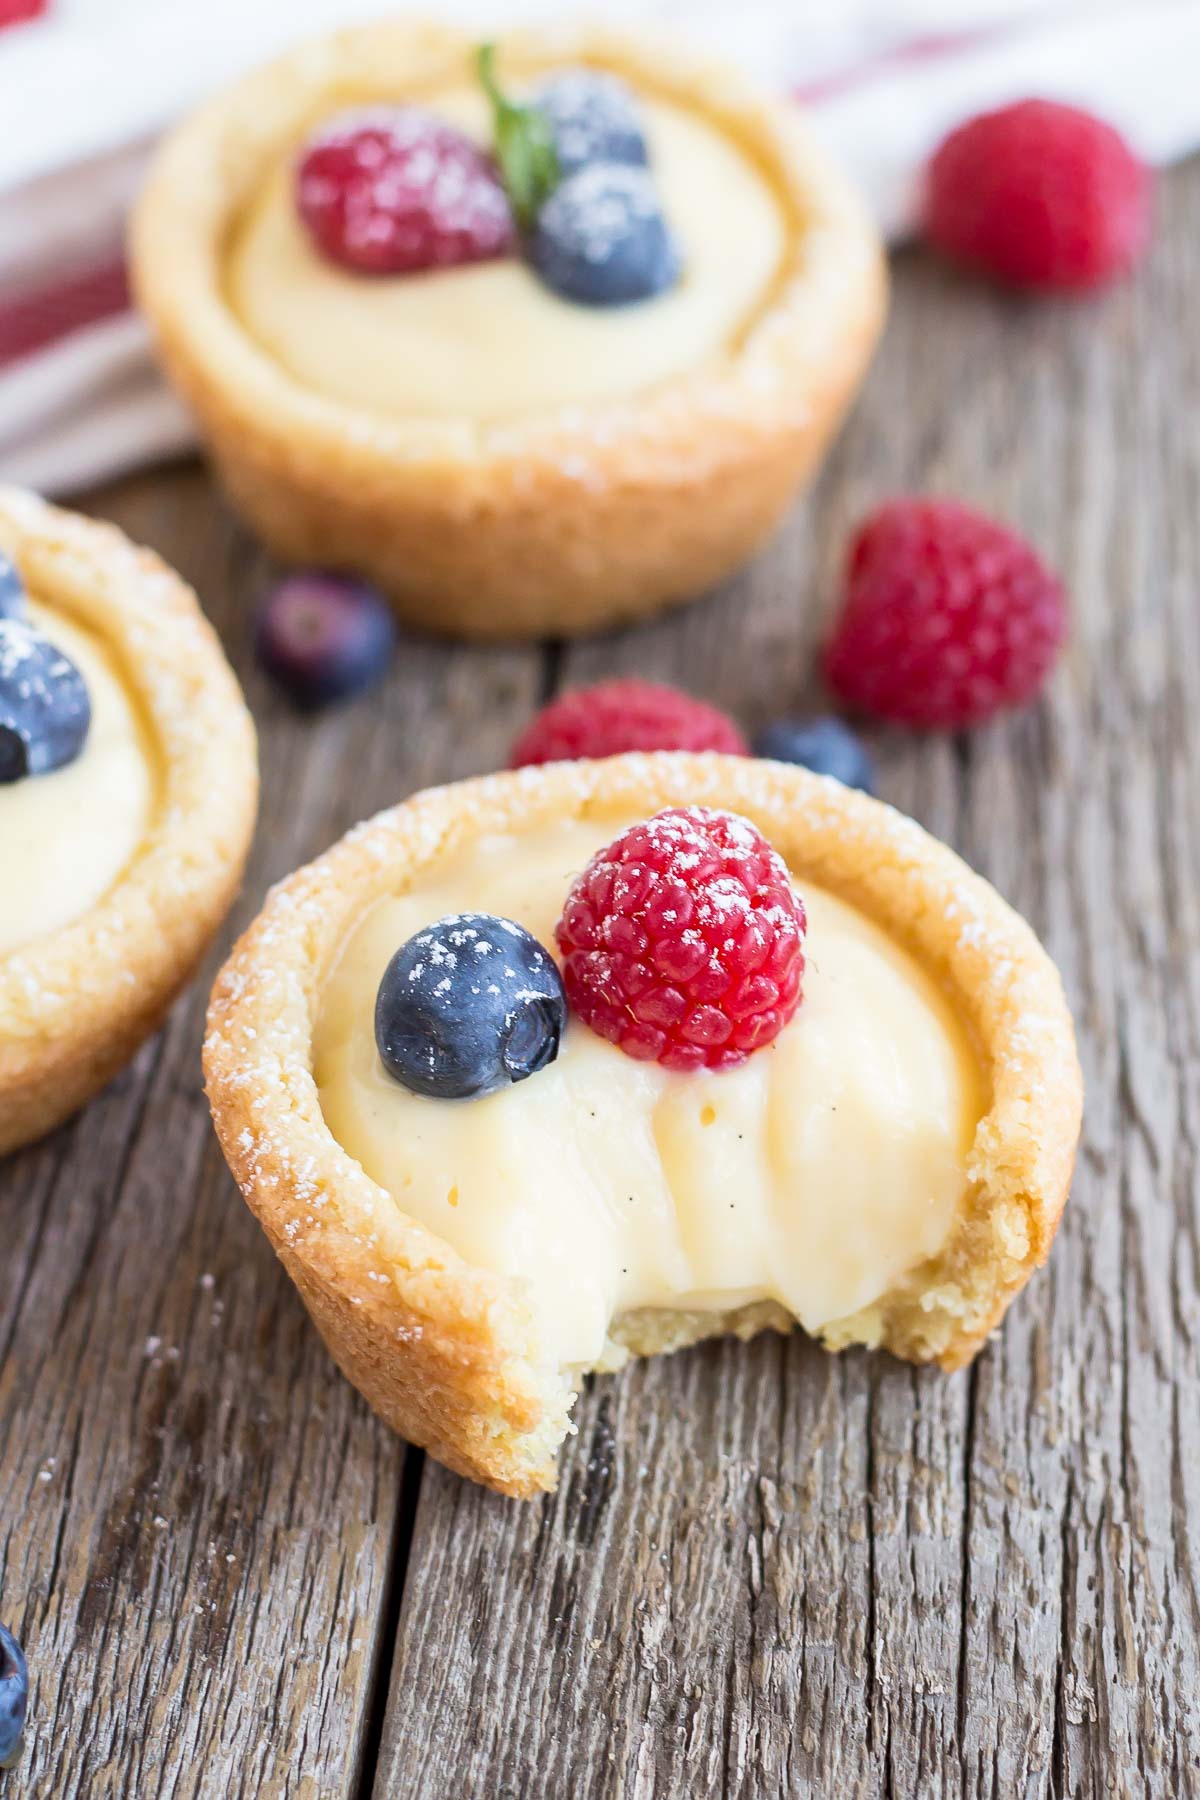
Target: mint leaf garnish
[(524, 145)]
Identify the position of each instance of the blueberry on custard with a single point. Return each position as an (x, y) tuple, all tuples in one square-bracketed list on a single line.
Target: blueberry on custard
[(573, 163), (12, 591), (601, 238), (45, 712), (469, 1005), (593, 117)]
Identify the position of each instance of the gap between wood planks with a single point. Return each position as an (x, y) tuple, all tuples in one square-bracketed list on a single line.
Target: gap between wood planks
[(363, 1781), (551, 666)]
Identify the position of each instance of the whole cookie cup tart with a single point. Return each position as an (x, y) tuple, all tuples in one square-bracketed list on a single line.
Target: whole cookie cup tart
[(128, 789), (540, 1071), (537, 343)]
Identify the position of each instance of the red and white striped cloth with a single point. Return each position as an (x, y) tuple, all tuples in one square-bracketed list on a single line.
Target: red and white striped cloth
[(86, 88)]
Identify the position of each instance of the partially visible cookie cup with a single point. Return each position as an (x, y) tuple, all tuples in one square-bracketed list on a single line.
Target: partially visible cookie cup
[(448, 1353), (557, 523), (75, 1004)]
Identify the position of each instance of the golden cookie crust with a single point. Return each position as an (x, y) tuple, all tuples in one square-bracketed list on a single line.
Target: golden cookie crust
[(74, 1006), (445, 1352), (556, 524)]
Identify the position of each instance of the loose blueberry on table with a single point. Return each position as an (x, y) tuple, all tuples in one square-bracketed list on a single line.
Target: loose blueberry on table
[(827, 746), (14, 1695), (470, 1005), (324, 638), (12, 591), (45, 711)]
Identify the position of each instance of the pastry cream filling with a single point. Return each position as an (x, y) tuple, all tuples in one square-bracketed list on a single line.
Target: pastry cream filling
[(489, 341), (817, 1174), (67, 836)]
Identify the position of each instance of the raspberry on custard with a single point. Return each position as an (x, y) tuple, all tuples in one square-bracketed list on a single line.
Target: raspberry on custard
[(621, 715), (949, 617), (394, 190), (683, 941)]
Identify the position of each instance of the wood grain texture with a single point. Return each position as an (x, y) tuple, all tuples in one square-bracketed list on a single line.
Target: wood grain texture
[(767, 1571), (198, 1517)]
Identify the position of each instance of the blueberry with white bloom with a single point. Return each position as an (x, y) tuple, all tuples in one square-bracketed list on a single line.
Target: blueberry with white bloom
[(45, 712), (593, 117), (14, 1695), (323, 638), (469, 1005), (601, 238)]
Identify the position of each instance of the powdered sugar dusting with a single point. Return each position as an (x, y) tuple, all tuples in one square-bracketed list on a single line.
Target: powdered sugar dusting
[(393, 189), (593, 116), (265, 1100), (683, 940), (590, 215)]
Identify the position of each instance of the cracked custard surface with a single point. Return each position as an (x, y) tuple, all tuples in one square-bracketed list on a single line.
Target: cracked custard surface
[(818, 1174), (488, 341)]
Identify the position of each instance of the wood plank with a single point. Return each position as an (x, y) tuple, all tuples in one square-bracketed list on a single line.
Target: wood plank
[(197, 1515), (768, 1571)]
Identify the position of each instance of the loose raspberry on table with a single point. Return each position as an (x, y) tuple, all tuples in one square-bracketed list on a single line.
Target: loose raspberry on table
[(683, 941), (394, 190), (620, 715), (1041, 195), (948, 618), (17, 12)]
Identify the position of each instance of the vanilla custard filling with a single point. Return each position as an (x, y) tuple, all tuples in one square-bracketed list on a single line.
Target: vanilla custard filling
[(817, 1174), (488, 341), (68, 835)]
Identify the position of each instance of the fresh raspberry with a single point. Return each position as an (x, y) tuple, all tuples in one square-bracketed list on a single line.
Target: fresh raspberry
[(620, 715), (948, 618), (15, 12), (394, 190), (1040, 195), (683, 941)]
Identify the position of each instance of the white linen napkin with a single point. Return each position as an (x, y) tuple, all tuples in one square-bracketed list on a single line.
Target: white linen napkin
[(86, 90)]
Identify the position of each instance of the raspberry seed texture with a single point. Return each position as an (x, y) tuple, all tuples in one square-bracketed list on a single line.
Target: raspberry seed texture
[(683, 941), (621, 715), (391, 191), (949, 617)]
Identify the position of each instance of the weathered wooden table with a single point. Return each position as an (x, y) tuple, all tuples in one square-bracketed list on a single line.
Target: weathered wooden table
[(767, 1571)]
